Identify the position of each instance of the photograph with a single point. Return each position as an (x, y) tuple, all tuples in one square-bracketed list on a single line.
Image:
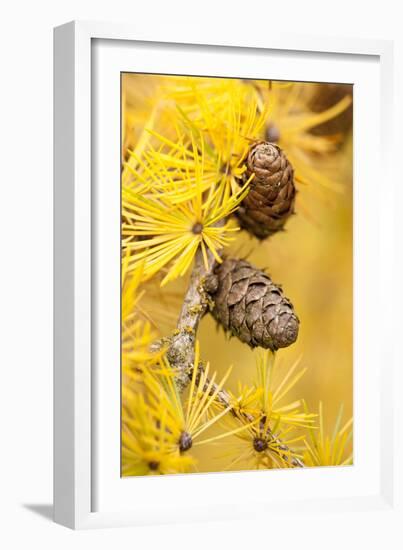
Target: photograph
[(236, 274)]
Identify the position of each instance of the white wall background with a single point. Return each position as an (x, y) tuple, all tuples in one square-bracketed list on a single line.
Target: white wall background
[(26, 262)]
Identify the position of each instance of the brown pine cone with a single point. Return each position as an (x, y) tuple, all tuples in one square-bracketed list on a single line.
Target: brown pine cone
[(271, 197), (251, 306)]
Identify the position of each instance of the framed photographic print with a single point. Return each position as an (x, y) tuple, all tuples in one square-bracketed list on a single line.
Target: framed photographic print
[(218, 253)]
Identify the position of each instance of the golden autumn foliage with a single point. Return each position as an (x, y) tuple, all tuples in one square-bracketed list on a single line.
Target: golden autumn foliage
[(185, 141)]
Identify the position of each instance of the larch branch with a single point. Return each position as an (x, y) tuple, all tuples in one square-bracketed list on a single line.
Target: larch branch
[(181, 348)]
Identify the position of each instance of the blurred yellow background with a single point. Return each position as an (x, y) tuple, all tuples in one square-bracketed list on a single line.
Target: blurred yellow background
[(312, 260)]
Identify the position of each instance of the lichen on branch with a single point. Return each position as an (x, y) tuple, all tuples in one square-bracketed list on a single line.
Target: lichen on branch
[(181, 347)]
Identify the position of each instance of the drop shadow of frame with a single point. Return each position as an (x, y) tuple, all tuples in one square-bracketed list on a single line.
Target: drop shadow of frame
[(44, 510)]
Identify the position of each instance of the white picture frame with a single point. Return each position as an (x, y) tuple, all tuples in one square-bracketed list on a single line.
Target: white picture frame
[(88, 491)]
